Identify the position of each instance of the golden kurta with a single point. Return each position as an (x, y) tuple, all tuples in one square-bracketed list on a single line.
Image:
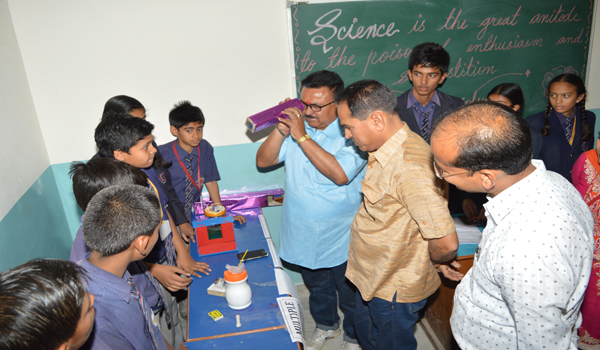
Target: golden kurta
[(403, 207)]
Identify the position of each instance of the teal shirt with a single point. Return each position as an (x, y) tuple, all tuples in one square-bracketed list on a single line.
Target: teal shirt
[(317, 213)]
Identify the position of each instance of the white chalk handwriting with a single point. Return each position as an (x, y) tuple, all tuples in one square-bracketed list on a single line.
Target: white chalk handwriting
[(375, 58), (493, 21), (469, 69), (492, 45), (557, 16), (456, 21), (325, 25), (418, 27), (570, 40)]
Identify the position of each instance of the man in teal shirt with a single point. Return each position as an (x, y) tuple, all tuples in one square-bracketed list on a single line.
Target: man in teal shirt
[(322, 194)]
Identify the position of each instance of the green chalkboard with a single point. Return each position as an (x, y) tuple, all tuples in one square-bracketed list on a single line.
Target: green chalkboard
[(526, 42)]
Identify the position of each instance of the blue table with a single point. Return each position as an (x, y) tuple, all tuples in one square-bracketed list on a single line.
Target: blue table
[(273, 340), (466, 249), (262, 316)]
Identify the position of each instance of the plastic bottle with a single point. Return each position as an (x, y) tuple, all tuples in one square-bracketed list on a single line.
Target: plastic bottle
[(238, 293)]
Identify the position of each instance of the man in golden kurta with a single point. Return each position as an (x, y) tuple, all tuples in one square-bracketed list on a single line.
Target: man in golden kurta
[(403, 226)]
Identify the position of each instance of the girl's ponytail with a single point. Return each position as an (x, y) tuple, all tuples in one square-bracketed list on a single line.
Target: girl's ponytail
[(587, 131), (546, 129)]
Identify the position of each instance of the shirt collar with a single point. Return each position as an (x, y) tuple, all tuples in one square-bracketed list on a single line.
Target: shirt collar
[(183, 153), (410, 102), (114, 283), (500, 206), (385, 152), (332, 130), (562, 118)]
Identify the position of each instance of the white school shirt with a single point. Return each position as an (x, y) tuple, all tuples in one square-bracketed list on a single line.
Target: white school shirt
[(530, 271)]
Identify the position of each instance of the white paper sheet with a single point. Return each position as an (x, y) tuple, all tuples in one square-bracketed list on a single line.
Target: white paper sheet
[(164, 230), (292, 312), (265, 228), (274, 255), (467, 233), (285, 284)]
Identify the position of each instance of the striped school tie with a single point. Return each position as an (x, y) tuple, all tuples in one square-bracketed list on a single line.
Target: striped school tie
[(568, 126), (170, 248), (425, 125), (189, 189), (171, 253), (149, 317)]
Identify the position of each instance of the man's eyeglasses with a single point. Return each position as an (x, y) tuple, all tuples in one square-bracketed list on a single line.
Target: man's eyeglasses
[(316, 108), (439, 172)]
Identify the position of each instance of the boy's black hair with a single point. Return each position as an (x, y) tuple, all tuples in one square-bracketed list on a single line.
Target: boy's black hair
[(118, 131), (117, 215), (366, 96), (122, 104), (429, 55), (576, 81), (41, 303), (324, 78), (99, 173), (121, 131), (184, 113), (513, 93)]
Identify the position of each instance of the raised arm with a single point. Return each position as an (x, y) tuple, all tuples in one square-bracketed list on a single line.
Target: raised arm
[(268, 152), (324, 161)]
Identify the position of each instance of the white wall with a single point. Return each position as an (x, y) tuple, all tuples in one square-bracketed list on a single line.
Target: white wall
[(24, 157), (229, 57)]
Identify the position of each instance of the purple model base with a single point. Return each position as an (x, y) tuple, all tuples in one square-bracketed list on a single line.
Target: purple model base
[(239, 201)]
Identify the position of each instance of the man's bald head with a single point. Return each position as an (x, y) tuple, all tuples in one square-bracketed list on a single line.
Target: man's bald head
[(487, 135)]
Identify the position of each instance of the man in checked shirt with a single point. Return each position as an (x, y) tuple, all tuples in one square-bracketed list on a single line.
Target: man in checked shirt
[(533, 263)]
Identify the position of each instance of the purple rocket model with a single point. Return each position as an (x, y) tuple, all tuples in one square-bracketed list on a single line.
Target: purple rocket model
[(266, 118)]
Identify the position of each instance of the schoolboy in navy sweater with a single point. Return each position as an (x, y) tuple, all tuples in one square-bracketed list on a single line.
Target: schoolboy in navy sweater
[(421, 106)]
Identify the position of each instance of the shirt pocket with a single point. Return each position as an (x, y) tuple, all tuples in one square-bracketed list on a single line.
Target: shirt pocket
[(374, 199)]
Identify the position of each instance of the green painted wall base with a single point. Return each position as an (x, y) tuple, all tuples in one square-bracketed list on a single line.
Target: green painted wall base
[(36, 226)]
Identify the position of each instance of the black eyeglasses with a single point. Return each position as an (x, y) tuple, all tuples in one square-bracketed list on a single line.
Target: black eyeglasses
[(316, 108)]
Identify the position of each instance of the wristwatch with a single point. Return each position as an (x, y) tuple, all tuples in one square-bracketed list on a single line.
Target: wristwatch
[(303, 138)]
